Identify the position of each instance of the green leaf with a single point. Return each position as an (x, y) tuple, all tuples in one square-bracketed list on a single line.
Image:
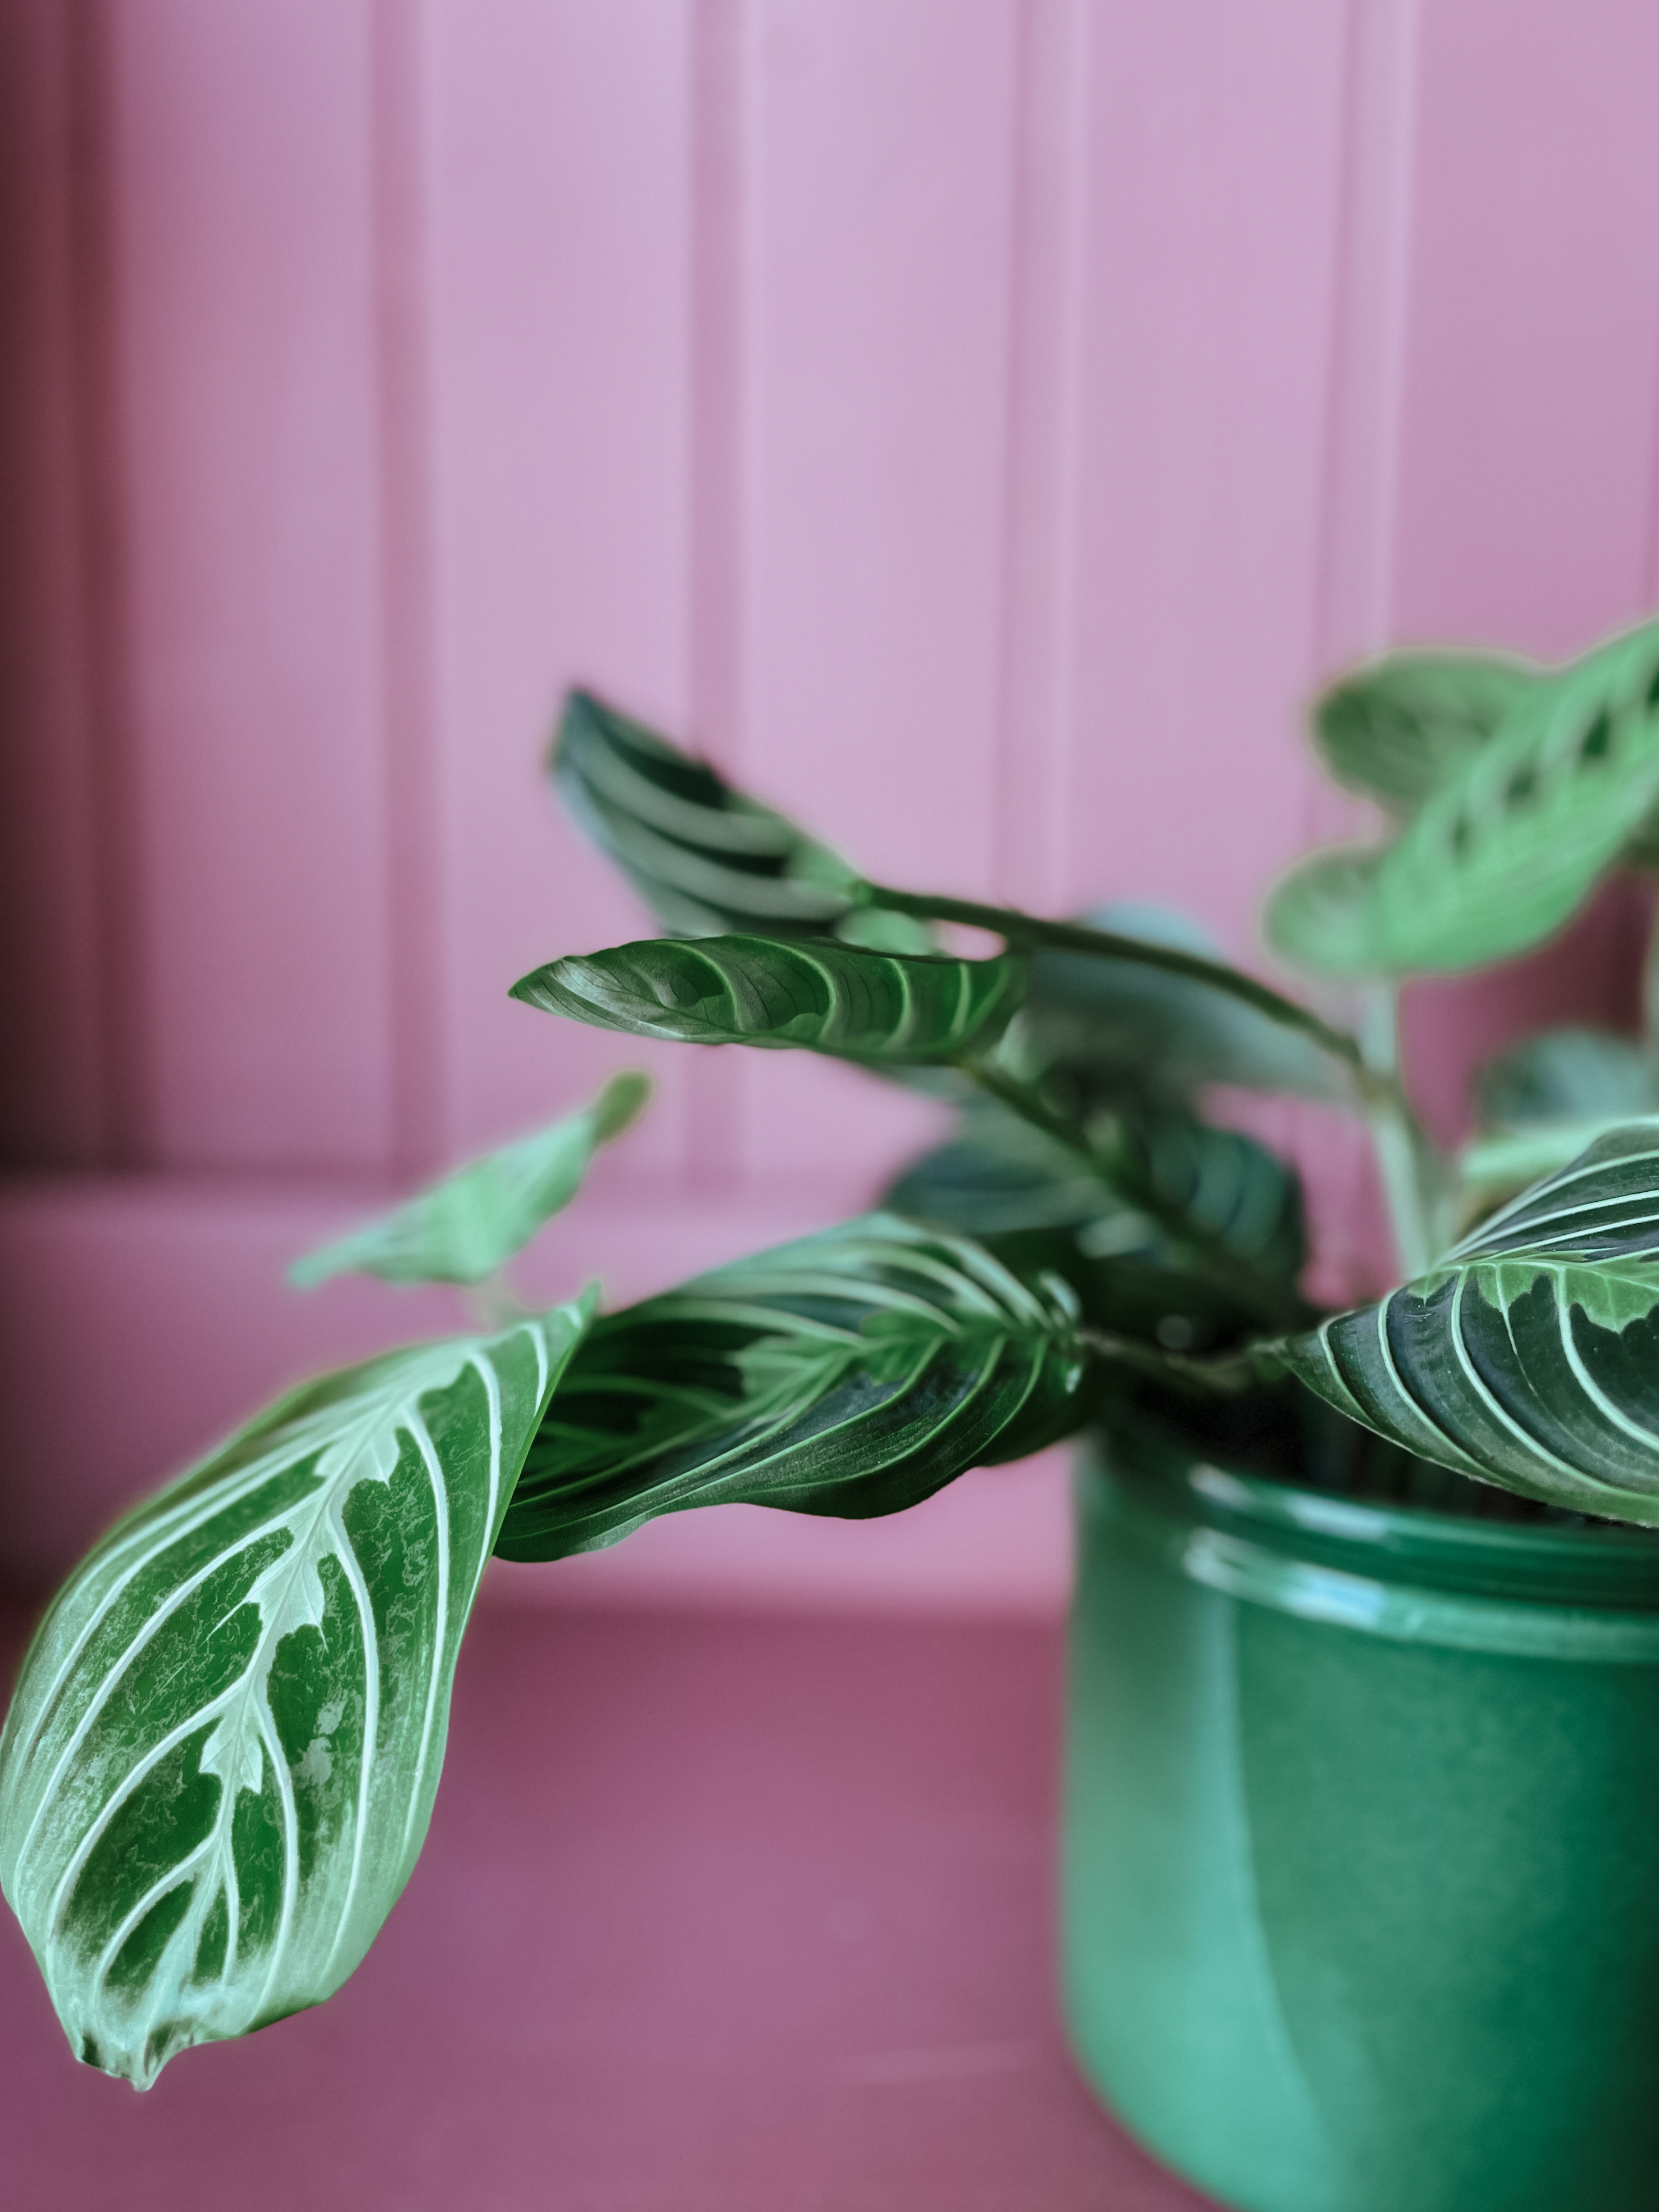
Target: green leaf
[(1559, 1074), (1124, 1029), (825, 997), (1544, 1100), (220, 1762), (851, 1373), (1397, 729), (1506, 848), (707, 859), (463, 1227), (1036, 1204), (1529, 1356)]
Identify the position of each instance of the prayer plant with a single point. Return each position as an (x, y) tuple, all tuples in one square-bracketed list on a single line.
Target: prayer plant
[(220, 1762)]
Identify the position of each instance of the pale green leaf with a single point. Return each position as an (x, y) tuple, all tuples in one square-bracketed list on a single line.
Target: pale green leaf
[(463, 1227), (1506, 848), (220, 1758), (1398, 728), (1529, 1356), (851, 1373), (1566, 1074), (819, 995)]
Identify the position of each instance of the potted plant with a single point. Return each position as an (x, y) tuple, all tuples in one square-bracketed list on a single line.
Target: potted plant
[(1361, 1795)]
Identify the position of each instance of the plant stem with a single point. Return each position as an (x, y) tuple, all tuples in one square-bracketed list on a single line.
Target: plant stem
[(1410, 1168), (1219, 1375), (1029, 930), (1265, 1297)]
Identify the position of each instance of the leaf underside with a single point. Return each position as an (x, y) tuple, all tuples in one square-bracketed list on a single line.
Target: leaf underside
[(221, 1760), (843, 1000), (851, 1373), (1507, 845), (1529, 1357), (1123, 1030)]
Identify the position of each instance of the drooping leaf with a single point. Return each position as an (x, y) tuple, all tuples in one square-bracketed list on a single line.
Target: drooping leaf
[(1529, 1356), (463, 1228), (1124, 1029), (851, 1373), (220, 1762), (1505, 849), (823, 996), (1397, 729)]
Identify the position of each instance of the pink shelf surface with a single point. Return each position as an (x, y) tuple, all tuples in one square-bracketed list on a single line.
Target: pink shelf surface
[(718, 1914)]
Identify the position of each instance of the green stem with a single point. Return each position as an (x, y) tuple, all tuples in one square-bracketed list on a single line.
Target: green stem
[(1265, 1297), (1026, 931), (1409, 1166), (1219, 1375)]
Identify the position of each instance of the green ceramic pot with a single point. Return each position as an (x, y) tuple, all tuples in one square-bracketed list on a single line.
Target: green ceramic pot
[(1361, 1846)]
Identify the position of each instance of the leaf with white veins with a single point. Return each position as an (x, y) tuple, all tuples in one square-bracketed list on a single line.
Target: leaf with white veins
[(221, 1760), (1529, 1356)]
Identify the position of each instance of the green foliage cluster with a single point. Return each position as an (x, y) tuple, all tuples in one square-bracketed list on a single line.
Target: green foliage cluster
[(220, 1761)]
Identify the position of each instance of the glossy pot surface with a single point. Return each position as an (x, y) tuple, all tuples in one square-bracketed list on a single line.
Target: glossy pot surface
[(1361, 1846)]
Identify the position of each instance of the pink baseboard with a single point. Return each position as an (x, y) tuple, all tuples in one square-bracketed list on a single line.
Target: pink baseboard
[(141, 1317)]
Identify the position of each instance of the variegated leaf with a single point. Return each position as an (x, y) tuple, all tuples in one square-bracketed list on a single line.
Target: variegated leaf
[(1506, 847), (1529, 1356), (851, 1373), (221, 1760), (1399, 727), (819, 995)]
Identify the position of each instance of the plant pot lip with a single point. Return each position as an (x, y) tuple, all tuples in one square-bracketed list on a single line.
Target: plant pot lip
[(1397, 1571)]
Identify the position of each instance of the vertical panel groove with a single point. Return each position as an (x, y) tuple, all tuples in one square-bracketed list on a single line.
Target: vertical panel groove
[(1040, 552), (401, 142), (121, 965), (1368, 342), (720, 185)]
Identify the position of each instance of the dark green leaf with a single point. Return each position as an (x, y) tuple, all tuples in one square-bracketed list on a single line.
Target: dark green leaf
[(1125, 1029), (705, 858), (851, 1374), (1397, 729), (823, 996), (1529, 1356), (463, 1227), (220, 1762), (1506, 848)]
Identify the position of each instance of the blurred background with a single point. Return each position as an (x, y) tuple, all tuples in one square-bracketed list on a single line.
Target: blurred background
[(977, 424)]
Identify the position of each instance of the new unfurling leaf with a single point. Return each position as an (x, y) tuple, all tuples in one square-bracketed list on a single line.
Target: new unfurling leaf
[(221, 1760)]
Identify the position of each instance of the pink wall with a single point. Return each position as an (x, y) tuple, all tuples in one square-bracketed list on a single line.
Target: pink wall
[(1008, 407)]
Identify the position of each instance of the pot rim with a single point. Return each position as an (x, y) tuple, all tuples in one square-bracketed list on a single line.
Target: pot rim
[(1404, 1572)]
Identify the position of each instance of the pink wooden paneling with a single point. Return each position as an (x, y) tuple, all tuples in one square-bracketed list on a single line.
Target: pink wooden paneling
[(881, 143), (978, 423), (241, 170), (560, 172), (53, 1108), (1526, 476), (1214, 156)]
